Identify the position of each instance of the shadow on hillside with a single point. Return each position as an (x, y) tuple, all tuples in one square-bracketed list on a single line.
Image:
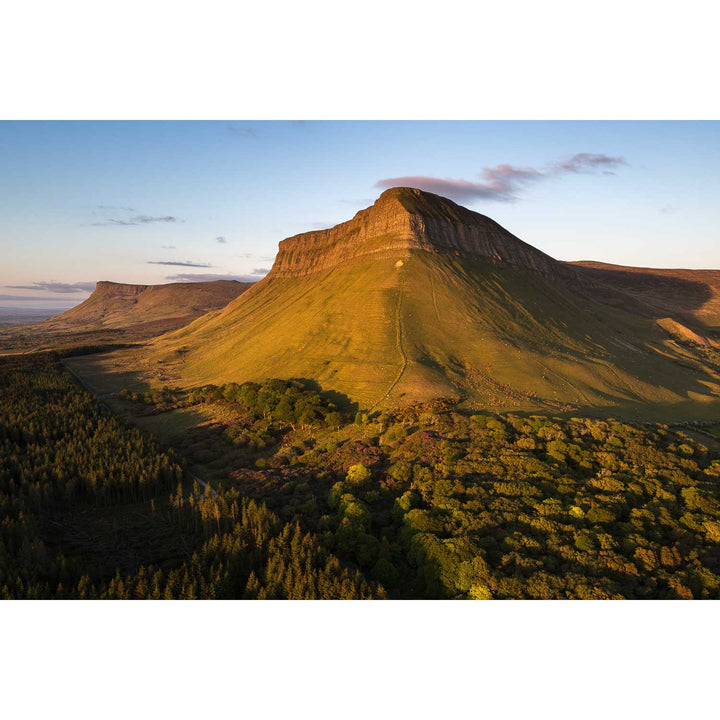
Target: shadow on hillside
[(103, 375), (659, 291), (340, 400)]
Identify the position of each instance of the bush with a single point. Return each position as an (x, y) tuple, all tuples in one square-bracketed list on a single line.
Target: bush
[(358, 474)]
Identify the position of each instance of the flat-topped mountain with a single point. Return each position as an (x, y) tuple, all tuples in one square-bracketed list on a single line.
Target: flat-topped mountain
[(119, 312), (417, 297), (172, 305)]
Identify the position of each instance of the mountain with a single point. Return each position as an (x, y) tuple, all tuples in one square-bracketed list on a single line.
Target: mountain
[(120, 312), (417, 298), (146, 308)]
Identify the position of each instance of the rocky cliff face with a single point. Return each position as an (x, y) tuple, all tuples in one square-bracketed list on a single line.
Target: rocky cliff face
[(402, 220), (107, 289)]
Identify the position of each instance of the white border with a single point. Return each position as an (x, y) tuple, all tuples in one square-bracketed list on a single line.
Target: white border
[(370, 60)]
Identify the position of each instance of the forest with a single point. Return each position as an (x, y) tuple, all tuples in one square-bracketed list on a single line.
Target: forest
[(305, 499)]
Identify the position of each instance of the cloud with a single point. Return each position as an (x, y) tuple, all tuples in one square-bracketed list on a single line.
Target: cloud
[(253, 255), (38, 298), (115, 207), (168, 247), (243, 130), (181, 264), (254, 276), (209, 277), (504, 182), (362, 202), (57, 287), (220, 239), (138, 220), (585, 162), (667, 210)]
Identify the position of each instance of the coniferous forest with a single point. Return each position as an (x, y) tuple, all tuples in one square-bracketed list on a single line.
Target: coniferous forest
[(303, 500)]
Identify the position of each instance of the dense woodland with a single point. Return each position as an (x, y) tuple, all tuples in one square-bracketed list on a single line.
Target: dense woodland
[(62, 452), (308, 501)]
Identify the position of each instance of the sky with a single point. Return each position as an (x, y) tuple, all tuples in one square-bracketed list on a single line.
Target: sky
[(152, 202)]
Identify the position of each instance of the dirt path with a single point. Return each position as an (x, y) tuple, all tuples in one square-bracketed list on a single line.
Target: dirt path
[(83, 382), (400, 347), (432, 288)]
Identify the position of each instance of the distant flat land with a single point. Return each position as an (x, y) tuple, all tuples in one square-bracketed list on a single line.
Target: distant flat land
[(10, 316)]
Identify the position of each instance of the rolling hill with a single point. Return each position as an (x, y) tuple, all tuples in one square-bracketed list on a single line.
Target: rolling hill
[(417, 298)]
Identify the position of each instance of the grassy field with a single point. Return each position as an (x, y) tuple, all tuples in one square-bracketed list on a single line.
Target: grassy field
[(108, 373)]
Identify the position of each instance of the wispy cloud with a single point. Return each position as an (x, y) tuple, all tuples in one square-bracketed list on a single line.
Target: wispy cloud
[(138, 220), (209, 277), (56, 287), (221, 239), (362, 202), (261, 271), (504, 182), (254, 255), (587, 162), (168, 247), (178, 263), (40, 298), (114, 207), (243, 130)]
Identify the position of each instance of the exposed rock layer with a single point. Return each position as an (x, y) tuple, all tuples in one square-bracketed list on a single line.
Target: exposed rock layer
[(402, 220)]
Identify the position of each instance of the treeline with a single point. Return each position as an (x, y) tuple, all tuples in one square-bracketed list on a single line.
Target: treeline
[(286, 401), (282, 401)]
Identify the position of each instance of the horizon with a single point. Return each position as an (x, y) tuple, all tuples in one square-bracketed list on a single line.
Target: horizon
[(154, 202)]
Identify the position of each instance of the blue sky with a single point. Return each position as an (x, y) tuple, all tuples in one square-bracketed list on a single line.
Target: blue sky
[(152, 202)]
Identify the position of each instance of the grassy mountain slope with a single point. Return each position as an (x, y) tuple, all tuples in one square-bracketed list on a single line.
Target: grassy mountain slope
[(415, 301), (692, 296)]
